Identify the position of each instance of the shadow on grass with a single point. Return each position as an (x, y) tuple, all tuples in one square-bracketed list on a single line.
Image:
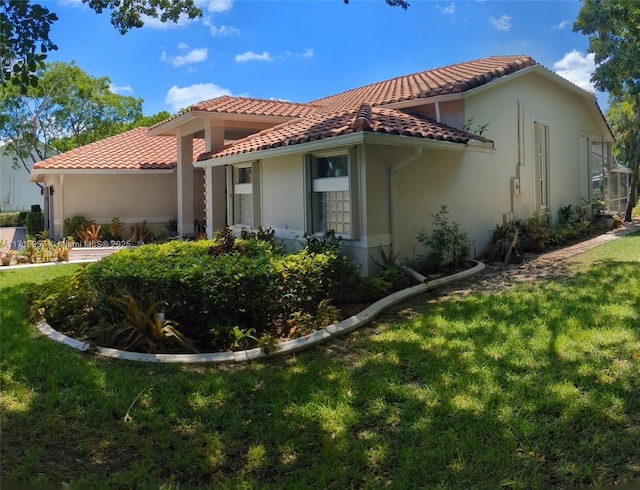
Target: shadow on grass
[(532, 388)]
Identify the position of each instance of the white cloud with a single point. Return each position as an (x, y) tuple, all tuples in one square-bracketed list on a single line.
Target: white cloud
[(502, 24), (448, 10), (251, 56), (220, 31), (308, 53), (120, 90), (215, 6), (193, 56), (155, 23), (181, 97), (577, 67), (562, 25), (183, 46)]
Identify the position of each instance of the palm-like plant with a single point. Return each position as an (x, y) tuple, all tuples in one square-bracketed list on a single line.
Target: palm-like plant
[(147, 328)]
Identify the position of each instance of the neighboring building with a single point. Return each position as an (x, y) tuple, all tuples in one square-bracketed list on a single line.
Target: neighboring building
[(129, 176), (373, 163), (17, 193)]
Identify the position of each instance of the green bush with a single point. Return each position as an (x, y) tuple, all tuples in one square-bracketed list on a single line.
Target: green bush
[(447, 243), (251, 287), (35, 223), (10, 219), (73, 225)]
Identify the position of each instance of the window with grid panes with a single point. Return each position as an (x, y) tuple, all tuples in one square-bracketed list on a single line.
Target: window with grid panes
[(331, 206), (243, 196)]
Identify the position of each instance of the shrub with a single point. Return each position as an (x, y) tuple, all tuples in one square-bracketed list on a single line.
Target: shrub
[(68, 304), (73, 225), (447, 242), (35, 223), (10, 219), (252, 287)]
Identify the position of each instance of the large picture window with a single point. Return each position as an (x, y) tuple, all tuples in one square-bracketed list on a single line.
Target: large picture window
[(331, 200)]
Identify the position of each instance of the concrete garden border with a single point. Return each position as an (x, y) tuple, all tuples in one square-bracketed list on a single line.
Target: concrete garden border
[(285, 348)]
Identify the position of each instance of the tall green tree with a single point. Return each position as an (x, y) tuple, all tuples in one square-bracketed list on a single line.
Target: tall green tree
[(625, 126), (613, 29), (25, 28), (68, 108)]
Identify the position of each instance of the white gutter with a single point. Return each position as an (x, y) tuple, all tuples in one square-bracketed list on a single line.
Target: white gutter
[(346, 140), (97, 171)]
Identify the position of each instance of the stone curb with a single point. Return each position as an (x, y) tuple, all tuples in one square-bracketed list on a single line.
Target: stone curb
[(285, 348)]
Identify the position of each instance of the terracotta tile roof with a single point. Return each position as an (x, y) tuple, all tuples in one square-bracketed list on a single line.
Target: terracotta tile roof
[(133, 150), (246, 105), (227, 104), (324, 124), (439, 81)]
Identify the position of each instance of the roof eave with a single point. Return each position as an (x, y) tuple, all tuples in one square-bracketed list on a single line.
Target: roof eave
[(346, 140), (589, 97), (38, 172)]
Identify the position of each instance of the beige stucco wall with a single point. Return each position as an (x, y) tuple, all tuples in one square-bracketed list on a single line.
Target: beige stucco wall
[(282, 193), (102, 197), (568, 117)]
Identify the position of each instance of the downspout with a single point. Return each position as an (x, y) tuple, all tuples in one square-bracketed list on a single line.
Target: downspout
[(392, 192)]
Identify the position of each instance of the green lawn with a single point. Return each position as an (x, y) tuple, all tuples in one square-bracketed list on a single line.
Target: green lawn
[(536, 387)]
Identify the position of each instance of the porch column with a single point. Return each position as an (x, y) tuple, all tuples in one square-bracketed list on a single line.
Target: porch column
[(185, 172), (215, 180)]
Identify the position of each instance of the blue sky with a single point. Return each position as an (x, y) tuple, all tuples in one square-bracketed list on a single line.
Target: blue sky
[(304, 50)]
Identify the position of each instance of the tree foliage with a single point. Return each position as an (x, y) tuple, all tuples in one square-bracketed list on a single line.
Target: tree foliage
[(24, 41), (67, 108), (613, 28), (25, 27), (625, 126)]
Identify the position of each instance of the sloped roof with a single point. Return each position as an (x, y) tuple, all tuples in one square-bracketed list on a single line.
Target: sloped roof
[(247, 105), (132, 150), (439, 81), (227, 104), (324, 124)]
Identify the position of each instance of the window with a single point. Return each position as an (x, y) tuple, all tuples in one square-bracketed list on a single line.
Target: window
[(331, 195), (244, 206), (541, 159)]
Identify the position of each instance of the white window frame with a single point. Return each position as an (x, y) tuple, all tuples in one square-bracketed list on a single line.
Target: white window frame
[(542, 168), (348, 183), (244, 188)]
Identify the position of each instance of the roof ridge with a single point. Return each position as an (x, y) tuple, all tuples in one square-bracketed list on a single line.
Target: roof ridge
[(254, 99)]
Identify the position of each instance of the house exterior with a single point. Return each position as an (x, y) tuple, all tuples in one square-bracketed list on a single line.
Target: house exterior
[(17, 193), (494, 140), (130, 176), (374, 163)]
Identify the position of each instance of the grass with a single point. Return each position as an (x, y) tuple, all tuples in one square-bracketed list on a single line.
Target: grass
[(535, 387)]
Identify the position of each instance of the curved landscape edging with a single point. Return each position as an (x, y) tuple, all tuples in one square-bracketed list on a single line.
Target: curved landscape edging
[(285, 348)]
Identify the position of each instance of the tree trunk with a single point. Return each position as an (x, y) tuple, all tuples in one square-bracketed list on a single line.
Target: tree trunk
[(631, 202)]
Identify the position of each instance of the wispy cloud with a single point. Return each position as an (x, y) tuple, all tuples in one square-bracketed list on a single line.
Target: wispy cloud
[(194, 56), (251, 56), (503, 23), (577, 67), (224, 31), (155, 23), (215, 6), (120, 89), (448, 10), (562, 25), (181, 97)]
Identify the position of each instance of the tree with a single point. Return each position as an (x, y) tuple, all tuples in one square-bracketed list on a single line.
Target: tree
[(66, 109), (613, 28), (24, 31), (24, 41), (625, 126)]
